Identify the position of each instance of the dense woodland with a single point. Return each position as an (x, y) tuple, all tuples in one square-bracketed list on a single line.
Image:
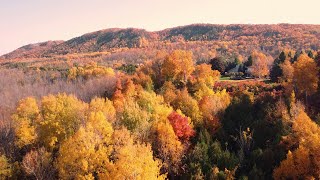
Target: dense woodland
[(174, 115)]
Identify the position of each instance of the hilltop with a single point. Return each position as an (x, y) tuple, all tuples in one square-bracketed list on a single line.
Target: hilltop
[(227, 40)]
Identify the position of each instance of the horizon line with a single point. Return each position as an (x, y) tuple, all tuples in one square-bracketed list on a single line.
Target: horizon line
[(163, 29)]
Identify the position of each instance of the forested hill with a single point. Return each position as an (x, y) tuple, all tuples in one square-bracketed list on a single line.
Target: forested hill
[(225, 39)]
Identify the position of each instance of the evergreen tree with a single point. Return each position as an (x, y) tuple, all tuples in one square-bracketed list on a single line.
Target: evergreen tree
[(276, 70), (219, 64), (249, 62)]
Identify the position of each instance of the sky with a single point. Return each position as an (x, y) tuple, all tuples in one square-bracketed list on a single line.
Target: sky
[(30, 21)]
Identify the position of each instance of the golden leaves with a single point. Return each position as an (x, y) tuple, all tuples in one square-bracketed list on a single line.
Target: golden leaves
[(305, 75), (25, 117)]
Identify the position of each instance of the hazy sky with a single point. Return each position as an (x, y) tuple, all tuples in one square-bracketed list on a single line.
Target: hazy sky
[(29, 21)]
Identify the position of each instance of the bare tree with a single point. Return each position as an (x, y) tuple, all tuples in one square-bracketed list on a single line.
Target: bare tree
[(38, 163)]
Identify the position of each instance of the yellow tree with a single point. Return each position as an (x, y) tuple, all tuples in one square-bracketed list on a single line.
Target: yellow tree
[(204, 73), (212, 106), (5, 168), (143, 80), (259, 65), (135, 161), (304, 162), (203, 80), (153, 104), (105, 106), (25, 117), (202, 90), (90, 69), (132, 160), (86, 152), (129, 89), (149, 100), (101, 126), (178, 66), (135, 118), (188, 106), (307, 133), (305, 74), (151, 71), (287, 77), (168, 92), (62, 116), (167, 146), (296, 165)]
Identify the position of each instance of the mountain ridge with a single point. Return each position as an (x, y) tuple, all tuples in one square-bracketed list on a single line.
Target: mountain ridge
[(296, 36)]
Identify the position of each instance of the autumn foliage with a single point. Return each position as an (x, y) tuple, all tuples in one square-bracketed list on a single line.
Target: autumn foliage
[(303, 162), (170, 117), (181, 126)]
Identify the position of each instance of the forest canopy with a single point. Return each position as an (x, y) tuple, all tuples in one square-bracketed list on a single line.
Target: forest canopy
[(170, 117)]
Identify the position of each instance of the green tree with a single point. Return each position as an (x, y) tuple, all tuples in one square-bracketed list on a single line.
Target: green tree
[(219, 64), (249, 62), (276, 70)]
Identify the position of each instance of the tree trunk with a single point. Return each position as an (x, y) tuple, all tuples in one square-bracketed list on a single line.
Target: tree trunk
[(306, 98)]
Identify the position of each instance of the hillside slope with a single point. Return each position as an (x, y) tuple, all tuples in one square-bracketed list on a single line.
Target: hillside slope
[(32, 50), (225, 39)]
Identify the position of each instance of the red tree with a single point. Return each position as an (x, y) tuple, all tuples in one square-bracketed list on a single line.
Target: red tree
[(181, 126)]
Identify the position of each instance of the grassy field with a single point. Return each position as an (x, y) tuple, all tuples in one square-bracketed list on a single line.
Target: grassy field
[(227, 78), (224, 78)]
